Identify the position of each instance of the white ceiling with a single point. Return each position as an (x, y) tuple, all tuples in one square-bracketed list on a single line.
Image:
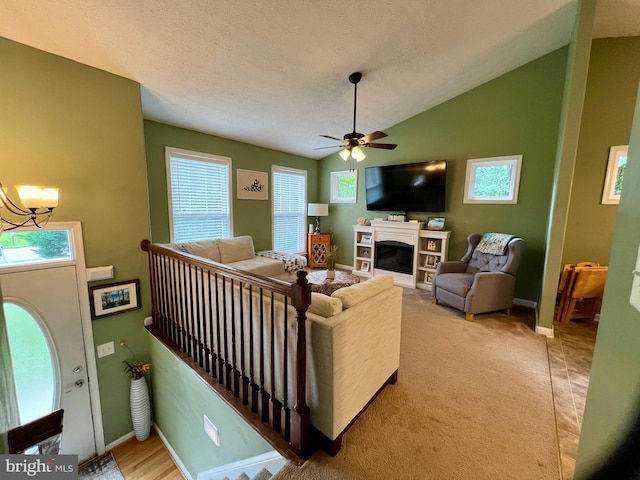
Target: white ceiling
[(274, 73)]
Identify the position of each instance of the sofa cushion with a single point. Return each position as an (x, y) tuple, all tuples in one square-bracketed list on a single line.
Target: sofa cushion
[(324, 306), (204, 248), (236, 249), (359, 292), (260, 265)]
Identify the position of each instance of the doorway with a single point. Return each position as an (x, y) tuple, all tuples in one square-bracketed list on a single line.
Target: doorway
[(50, 339)]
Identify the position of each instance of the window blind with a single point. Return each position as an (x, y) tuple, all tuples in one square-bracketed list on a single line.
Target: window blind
[(289, 209), (200, 197)]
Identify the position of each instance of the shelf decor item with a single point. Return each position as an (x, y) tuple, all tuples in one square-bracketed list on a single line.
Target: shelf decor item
[(435, 223), (332, 255)]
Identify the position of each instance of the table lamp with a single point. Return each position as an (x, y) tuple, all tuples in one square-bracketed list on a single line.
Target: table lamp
[(318, 210)]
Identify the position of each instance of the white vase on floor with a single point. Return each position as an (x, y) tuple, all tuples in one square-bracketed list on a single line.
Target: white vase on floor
[(140, 408)]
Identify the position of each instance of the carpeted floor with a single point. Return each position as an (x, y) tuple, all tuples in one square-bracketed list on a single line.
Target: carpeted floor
[(473, 401), (103, 467)]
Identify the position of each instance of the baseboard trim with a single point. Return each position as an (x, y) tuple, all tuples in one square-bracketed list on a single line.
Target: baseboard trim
[(119, 441), (174, 455), (547, 332)]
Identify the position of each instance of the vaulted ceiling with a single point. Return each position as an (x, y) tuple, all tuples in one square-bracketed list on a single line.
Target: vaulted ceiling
[(275, 73)]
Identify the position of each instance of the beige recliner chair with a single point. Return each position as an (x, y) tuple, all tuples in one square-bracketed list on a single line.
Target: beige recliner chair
[(484, 280)]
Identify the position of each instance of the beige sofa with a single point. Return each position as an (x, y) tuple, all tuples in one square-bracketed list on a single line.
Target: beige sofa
[(240, 253), (353, 341)]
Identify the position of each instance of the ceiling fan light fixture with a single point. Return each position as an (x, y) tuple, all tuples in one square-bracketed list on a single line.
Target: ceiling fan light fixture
[(344, 154), (358, 154)]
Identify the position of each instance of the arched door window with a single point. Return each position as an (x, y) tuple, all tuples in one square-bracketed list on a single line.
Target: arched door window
[(34, 363)]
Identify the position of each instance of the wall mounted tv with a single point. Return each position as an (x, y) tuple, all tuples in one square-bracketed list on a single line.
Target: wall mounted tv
[(410, 187)]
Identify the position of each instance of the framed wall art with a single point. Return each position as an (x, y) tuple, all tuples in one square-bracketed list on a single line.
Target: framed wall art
[(114, 298), (252, 185), (615, 174)]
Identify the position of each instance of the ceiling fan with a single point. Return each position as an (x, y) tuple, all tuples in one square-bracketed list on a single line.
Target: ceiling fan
[(352, 142)]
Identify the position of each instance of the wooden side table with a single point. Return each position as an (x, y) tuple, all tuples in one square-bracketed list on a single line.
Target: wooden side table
[(318, 248)]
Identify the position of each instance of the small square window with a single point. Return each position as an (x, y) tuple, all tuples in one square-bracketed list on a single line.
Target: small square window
[(344, 186), (493, 180)]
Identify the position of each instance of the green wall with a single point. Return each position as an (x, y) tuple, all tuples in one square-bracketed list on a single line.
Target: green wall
[(181, 399), (612, 399), (614, 72), (250, 217), (517, 113), (66, 124)]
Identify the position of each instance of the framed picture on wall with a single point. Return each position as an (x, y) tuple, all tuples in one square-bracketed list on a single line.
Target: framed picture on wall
[(113, 298), (615, 174), (252, 185)]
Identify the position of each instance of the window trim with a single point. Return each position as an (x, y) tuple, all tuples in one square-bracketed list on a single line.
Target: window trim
[(609, 196), (292, 171), (469, 182), (335, 180), (201, 157)]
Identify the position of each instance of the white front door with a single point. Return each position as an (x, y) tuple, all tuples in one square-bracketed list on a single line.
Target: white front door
[(50, 295)]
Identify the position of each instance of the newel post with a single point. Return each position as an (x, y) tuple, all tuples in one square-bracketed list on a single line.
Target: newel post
[(300, 417)]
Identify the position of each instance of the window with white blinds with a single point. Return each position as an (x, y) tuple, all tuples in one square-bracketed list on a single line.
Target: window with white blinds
[(289, 209), (199, 191)]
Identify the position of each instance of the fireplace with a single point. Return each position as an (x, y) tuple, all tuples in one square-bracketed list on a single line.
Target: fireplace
[(394, 256)]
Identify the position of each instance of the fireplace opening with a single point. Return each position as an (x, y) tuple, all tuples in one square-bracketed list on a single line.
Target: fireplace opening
[(394, 256)]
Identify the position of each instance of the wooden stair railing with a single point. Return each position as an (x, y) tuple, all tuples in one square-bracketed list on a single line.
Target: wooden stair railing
[(232, 327)]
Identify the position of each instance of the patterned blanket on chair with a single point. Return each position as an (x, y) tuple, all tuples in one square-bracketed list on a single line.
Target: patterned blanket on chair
[(494, 243)]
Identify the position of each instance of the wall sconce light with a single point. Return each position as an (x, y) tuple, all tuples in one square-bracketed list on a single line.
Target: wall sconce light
[(318, 210), (37, 206)]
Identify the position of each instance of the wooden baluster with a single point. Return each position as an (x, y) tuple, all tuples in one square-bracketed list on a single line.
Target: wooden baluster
[(203, 319), (243, 373), (163, 316), (254, 386), (187, 310), (225, 317), (276, 406), (198, 332), (234, 357), (265, 395), (300, 416), (174, 288), (212, 347), (219, 344), (285, 373), (180, 306), (193, 301)]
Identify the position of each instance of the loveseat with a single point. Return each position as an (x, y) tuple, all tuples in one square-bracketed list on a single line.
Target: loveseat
[(353, 339)]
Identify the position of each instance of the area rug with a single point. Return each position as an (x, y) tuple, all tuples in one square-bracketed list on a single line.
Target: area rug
[(103, 467)]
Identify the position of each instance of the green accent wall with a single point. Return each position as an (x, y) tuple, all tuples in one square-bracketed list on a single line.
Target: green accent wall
[(73, 126), (517, 113), (180, 400), (614, 73), (612, 399), (250, 217)]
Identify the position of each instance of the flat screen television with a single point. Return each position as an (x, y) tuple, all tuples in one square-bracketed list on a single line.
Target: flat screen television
[(410, 187)]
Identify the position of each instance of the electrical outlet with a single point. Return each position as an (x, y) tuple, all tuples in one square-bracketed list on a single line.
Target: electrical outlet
[(105, 349), (211, 430)]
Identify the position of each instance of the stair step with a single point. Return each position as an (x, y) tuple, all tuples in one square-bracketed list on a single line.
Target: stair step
[(263, 474)]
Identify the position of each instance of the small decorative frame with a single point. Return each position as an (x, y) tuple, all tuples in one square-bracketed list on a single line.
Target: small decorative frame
[(364, 267), (252, 185), (366, 239), (114, 298), (615, 174), (435, 223), (493, 180), (431, 261), (344, 186), (428, 278), (432, 245)]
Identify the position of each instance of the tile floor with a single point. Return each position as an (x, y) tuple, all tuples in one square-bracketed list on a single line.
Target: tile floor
[(570, 354)]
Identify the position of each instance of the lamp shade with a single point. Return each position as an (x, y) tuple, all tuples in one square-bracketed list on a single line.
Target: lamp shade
[(318, 210)]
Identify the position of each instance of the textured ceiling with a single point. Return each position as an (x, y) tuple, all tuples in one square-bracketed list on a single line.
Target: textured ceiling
[(275, 73)]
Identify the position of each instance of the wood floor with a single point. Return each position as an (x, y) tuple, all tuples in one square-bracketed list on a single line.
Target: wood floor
[(148, 460)]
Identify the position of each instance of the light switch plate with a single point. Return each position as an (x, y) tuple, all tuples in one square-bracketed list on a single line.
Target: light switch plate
[(105, 349)]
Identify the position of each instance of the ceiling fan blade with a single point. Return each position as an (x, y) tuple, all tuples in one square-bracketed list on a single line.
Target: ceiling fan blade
[(386, 146), (334, 146), (333, 138), (373, 136)]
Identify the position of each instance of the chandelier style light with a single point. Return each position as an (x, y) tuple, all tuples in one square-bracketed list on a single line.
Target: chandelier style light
[(37, 207), (355, 152)]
